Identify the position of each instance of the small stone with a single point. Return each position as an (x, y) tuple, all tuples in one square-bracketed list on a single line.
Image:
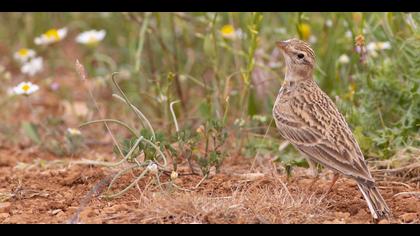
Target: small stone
[(342, 215), (60, 215), (409, 217), (56, 211), (4, 216), (383, 222), (5, 207), (335, 221)]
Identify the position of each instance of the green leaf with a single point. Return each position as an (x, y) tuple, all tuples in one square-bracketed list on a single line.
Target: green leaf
[(31, 130), (252, 104), (205, 110)]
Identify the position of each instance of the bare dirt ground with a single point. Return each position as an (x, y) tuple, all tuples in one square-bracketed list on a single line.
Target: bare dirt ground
[(51, 191)]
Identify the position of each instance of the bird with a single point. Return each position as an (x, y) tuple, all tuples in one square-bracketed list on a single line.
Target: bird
[(307, 118)]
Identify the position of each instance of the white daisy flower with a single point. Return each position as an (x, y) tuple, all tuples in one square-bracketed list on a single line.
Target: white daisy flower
[(32, 66), (24, 54), (344, 59), (162, 98), (74, 132), (349, 34), (383, 45), (25, 88), (312, 39), (91, 37), (51, 36), (371, 46), (240, 34), (329, 23)]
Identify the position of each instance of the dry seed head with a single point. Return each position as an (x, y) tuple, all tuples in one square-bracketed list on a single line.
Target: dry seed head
[(174, 175), (80, 69), (360, 40)]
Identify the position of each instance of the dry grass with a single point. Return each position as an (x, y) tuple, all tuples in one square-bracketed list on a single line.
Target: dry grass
[(404, 167), (262, 201)]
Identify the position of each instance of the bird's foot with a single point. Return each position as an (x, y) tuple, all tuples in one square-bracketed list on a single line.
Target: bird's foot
[(334, 180)]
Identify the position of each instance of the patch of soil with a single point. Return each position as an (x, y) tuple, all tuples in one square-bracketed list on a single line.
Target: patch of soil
[(50, 191)]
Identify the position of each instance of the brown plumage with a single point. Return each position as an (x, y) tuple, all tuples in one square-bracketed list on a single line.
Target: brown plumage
[(309, 119)]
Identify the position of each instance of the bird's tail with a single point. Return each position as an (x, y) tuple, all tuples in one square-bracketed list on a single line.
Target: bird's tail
[(377, 205)]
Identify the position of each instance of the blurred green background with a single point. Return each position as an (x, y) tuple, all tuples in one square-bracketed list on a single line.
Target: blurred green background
[(218, 62)]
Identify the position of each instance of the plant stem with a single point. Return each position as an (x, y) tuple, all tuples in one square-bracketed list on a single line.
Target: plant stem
[(142, 32)]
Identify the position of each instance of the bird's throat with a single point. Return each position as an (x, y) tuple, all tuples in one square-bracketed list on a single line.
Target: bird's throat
[(293, 74)]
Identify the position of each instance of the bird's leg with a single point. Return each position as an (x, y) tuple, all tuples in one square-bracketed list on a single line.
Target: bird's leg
[(335, 178), (315, 179), (315, 173)]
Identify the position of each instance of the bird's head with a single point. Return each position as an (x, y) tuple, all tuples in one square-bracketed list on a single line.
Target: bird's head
[(299, 58)]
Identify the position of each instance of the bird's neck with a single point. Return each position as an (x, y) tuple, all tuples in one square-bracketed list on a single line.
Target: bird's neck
[(296, 75)]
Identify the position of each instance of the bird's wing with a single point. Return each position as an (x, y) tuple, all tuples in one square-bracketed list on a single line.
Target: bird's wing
[(313, 124)]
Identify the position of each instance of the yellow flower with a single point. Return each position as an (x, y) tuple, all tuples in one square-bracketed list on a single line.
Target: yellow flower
[(304, 31), (52, 33), (51, 36), (25, 88), (228, 31), (23, 54)]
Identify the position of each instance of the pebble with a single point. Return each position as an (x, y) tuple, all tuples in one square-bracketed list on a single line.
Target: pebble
[(383, 222), (56, 211), (409, 217), (4, 216), (5, 207)]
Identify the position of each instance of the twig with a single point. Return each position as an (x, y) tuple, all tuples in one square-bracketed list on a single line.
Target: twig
[(129, 186), (95, 191), (139, 50), (107, 164), (201, 181), (171, 107), (401, 169), (258, 152), (132, 131), (415, 194)]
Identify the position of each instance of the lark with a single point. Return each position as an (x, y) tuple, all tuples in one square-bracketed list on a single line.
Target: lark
[(310, 121)]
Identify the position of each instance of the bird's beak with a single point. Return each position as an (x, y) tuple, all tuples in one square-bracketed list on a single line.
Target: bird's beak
[(282, 45)]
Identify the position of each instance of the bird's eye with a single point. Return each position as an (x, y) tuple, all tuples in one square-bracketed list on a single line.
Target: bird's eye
[(300, 55)]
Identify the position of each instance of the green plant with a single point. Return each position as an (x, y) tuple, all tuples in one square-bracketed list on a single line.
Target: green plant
[(215, 136)]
